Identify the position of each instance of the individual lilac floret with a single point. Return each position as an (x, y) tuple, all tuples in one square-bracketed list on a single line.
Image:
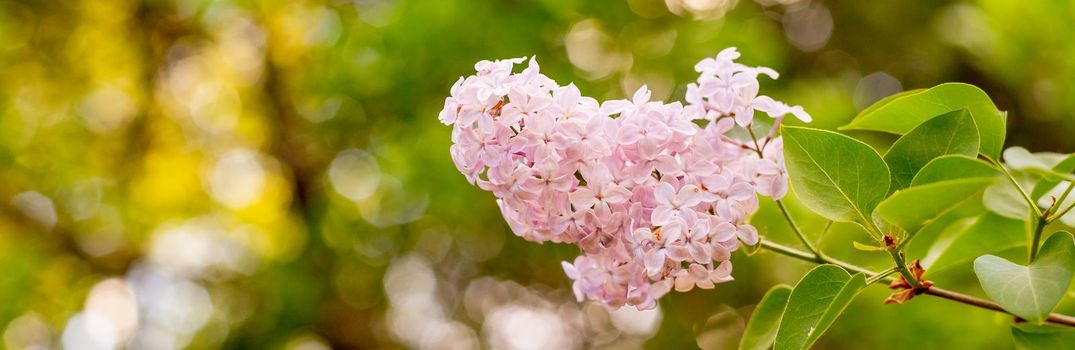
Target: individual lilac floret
[(656, 195)]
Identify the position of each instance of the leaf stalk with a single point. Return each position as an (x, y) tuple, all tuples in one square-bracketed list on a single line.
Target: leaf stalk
[(795, 227)]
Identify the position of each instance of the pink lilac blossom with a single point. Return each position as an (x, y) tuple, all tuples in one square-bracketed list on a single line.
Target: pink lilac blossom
[(656, 195)]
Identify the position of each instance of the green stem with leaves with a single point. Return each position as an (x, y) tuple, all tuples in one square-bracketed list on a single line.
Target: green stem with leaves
[(817, 257), (1061, 213), (1039, 226), (1054, 318), (780, 203), (880, 276), (1056, 213), (1063, 197), (1038, 218), (901, 266), (1026, 197), (894, 250)]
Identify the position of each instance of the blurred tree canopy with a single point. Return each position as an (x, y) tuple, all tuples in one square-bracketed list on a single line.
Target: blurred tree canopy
[(271, 174)]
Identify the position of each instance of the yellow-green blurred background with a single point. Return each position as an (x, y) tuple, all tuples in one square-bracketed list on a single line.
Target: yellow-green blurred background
[(271, 174)]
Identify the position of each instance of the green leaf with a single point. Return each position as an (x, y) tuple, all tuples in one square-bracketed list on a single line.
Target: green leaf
[(1065, 166), (761, 330), (916, 206), (888, 99), (1049, 189), (1019, 158), (1031, 291), (820, 297), (903, 113), (1054, 195), (941, 228), (952, 167), (987, 234), (1002, 197), (1041, 337), (834, 175), (866, 247), (950, 133)]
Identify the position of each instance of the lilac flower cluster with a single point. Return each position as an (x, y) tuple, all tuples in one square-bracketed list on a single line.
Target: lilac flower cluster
[(656, 195)]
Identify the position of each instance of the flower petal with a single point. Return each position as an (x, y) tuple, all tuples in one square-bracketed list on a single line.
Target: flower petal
[(583, 198), (664, 193), (724, 231), (616, 194), (654, 261), (748, 234)]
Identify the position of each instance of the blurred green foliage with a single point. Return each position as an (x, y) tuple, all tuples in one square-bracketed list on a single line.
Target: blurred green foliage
[(271, 174)]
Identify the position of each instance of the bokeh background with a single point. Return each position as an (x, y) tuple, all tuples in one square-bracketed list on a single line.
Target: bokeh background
[(271, 174)]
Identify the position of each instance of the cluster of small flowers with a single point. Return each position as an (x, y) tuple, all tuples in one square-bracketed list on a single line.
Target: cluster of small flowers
[(656, 195)]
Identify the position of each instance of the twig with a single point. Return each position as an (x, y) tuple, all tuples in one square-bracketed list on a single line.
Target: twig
[(1054, 318)]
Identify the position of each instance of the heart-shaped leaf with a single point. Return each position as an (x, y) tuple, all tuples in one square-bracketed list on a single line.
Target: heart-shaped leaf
[(1040, 337), (950, 133), (815, 303), (903, 113), (913, 207), (761, 330), (951, 167), (834, 175), (1031, 291)]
